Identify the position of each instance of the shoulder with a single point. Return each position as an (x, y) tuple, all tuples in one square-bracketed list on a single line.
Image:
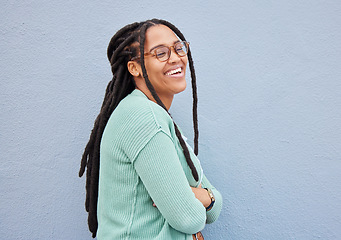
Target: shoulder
[(134, 122), (136, 107)]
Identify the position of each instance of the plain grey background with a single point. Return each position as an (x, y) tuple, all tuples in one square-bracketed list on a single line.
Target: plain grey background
[(269, 111)]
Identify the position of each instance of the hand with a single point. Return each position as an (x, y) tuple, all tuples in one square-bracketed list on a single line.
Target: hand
[(202, 195)]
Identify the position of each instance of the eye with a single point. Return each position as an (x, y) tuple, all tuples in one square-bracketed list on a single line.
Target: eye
[(161, 52), (180, 48)]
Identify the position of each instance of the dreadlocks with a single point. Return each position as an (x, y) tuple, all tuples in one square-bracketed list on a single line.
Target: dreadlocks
[(122, 47)]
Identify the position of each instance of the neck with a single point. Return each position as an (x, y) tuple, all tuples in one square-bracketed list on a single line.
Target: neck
[(166, 100)]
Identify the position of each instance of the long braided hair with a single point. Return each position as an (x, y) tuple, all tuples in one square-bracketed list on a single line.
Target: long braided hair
[(123, 46)]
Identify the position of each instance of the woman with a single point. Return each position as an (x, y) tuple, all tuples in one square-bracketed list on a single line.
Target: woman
[(143, 180)]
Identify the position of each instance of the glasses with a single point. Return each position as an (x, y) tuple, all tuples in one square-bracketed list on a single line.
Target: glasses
[(162, 53)]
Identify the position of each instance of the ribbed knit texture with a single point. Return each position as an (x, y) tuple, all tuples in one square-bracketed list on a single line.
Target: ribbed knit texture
[(142, 162)]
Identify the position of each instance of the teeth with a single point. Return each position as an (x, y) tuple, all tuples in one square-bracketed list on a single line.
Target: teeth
[(178, 70)]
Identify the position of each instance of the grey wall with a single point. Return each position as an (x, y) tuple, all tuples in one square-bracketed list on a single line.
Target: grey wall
[(269, 111)]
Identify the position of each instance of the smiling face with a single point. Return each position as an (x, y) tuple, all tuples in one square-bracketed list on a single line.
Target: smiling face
[(168, 77)]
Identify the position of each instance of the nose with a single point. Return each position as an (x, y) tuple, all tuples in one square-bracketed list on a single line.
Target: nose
[(173, 56)]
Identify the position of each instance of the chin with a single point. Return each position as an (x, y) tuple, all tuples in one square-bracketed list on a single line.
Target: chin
[(181, 88)]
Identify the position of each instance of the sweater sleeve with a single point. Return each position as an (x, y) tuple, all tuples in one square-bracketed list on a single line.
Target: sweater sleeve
[(159, 168), (214, 212)]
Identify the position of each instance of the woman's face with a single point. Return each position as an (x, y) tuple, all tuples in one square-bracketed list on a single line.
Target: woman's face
[(168, 78)]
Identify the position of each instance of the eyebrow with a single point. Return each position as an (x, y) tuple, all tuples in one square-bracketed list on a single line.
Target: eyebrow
[(161, 45)]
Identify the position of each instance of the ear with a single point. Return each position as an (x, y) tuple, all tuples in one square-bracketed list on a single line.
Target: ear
[(134, 68)]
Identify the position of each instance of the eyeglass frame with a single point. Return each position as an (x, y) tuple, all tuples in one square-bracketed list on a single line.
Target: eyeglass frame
[(169, 51)]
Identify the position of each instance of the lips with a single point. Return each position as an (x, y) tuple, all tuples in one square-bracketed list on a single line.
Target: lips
[(173, 71)]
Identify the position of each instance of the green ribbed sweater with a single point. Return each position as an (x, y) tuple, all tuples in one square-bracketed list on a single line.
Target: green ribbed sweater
[(141, 162)]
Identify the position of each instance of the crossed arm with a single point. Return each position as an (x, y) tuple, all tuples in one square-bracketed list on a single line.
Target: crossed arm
[(161, 172)]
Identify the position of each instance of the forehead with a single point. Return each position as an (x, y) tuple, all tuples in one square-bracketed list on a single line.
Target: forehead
[(159, 35)]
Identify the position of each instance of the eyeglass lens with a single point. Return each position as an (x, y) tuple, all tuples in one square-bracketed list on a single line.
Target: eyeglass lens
[(163, 53)]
